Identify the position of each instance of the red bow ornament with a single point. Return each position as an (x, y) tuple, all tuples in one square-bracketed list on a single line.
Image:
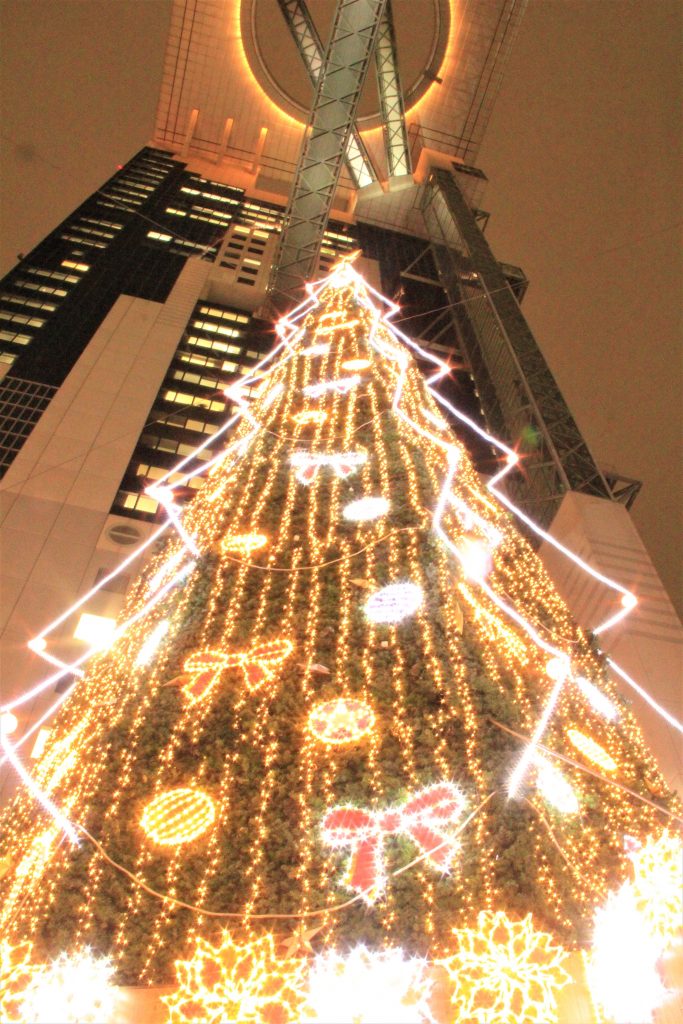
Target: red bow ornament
[(203, 669), (424, 818)]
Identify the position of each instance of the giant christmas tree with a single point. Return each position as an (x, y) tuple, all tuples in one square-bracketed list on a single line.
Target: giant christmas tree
[(349, 716)]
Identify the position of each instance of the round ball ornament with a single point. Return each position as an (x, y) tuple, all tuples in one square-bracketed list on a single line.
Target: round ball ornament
[(341, 721), (178, 816), (393, 603)]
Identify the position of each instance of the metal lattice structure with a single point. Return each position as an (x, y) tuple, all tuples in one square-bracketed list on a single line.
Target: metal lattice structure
[(347, 59), (521, 400), (391, 98), (306, 37)]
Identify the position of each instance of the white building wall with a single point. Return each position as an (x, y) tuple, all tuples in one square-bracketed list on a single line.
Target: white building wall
[(56, 496), (648, 643)]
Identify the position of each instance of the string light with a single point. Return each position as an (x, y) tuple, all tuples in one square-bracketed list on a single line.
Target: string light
[(356, 364), (394, 603), (341, 386), (505, 970), (658, 886), (178, 816)]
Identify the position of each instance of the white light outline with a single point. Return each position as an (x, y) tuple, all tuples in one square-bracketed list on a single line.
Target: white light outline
[(342, 273)]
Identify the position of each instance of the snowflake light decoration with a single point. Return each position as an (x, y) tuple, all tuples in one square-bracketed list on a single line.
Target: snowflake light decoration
[(234, 981), (366, 509), (178, 816), (17, 971), (341, 721), (505, 970), (658, 886), (76, 988), (369, 987), (621, 969), (393, 603)]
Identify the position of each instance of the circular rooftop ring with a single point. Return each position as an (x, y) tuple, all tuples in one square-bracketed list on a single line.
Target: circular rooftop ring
[(421, 28)]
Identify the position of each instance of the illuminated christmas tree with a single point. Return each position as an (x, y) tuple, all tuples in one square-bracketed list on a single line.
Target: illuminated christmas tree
[(347, 713)]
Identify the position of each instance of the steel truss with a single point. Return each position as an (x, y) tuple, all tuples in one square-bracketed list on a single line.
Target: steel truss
[(305, 35), (391, 98), (338, 89), (519, 395)]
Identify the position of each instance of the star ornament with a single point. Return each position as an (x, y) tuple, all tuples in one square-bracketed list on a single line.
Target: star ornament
[(505, 970), (299, 942)]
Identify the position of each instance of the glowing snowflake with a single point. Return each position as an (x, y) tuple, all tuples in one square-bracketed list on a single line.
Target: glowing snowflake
[(658, 886), (622, 968), (16, 974), (234, 981), (77, 988), (369, 987), (505, 970)]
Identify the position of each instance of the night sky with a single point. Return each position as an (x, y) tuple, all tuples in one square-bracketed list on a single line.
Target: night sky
[(583, 153)]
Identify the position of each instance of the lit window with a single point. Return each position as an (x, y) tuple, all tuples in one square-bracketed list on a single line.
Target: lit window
[(159, 237), (75, 266)]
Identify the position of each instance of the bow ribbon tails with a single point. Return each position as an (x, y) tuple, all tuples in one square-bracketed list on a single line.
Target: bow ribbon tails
[(423, 818), (203, 669), (308, 464)]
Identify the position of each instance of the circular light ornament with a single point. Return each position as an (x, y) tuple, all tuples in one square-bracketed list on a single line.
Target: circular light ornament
[(394, 603), (308, 416), (475, 558), (8, 723), (597, 699), (366, 509), (345, 720), (356, 364), (592, 750), (557, 669), (243, 543), (554, 788), (178, 816)]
